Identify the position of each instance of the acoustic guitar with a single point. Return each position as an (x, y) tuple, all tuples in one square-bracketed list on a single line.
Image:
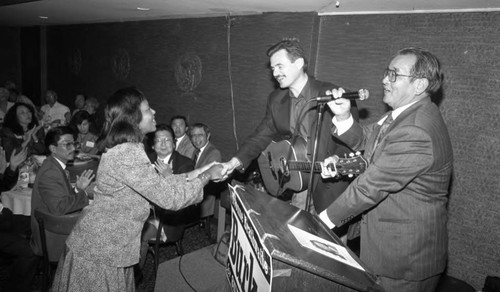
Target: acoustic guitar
[(284, 166)]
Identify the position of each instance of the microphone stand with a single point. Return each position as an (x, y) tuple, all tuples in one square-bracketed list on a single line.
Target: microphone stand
[(319, 111)]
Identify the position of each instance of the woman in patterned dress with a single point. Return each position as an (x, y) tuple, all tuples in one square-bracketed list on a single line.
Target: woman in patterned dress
[(104, 244)]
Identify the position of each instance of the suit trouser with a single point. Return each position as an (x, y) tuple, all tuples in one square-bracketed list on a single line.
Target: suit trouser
[(299, 201), (398, 285)]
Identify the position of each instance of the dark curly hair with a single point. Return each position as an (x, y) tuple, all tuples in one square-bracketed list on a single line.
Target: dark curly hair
[(11, 122)]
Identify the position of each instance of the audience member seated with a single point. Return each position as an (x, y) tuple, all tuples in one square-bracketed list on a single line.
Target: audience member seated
[(55, 113), (12, 244), (183, 144), (96, 112), (81, 124), (167, 161), (79, 103), (205, 154), (5, 104), (21, 130), (52, 191)]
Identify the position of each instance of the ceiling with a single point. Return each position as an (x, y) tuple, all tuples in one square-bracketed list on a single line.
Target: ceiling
[(60, 12)]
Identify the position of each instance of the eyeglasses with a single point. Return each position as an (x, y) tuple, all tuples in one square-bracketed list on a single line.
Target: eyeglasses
[(163, 140), (69, 145), (393, 75)]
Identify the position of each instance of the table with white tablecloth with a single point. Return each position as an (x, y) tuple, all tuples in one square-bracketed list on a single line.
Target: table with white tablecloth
[(18, 200)]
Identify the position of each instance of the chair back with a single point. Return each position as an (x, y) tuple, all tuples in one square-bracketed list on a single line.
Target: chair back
[(54, 231)]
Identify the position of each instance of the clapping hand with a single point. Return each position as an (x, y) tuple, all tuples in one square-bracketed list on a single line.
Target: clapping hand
[(30, 135), (17, 158), (83, 180), (163, 168)]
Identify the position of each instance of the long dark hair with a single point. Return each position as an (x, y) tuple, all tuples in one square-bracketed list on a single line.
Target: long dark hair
[(123, 115), (12, 123)]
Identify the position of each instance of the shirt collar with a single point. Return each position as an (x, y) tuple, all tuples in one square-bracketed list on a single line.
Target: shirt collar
[(63, 165), (395, 113), (166, 159)]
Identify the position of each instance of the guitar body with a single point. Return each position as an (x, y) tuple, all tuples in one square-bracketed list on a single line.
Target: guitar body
[(284, 166), (273, 166)]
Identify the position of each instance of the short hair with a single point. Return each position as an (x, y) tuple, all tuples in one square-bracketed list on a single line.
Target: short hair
[(51, 92), (123, 106), (92, 101), (426, 66), (179, 117), (4, 92), (11, 122), (164, 127), (79, 117), (54, 135), (123, 132), (199, 125), (293, 48)]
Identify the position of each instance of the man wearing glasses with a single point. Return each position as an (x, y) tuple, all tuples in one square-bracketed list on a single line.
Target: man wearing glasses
[(52, 192), (404, 191)]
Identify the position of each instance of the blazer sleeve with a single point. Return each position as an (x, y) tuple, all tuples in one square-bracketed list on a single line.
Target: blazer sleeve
[(406, 153), (260, 138), (130, 166), (59, 198)]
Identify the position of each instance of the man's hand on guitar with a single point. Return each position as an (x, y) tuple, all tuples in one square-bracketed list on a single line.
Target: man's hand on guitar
[(328, 167)]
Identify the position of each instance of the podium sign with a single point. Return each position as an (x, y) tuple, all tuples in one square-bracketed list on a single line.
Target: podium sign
[(249, 266), (276, 246)]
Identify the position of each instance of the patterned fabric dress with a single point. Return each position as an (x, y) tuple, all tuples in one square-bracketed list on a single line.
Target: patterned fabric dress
[(105, 242)]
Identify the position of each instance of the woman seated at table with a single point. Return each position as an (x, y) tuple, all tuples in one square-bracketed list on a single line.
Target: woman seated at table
[(21, 130), (104, 244), (80, 123)]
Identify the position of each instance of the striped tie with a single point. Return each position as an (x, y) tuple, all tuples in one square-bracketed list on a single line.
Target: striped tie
[(195, 156), (382, 130)]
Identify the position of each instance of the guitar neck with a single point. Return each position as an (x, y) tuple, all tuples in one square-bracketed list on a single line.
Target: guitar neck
[(304, 166)]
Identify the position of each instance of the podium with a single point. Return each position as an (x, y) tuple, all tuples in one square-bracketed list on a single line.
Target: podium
[(265, 255)]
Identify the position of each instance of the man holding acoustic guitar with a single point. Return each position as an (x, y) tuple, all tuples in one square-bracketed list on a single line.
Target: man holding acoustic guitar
[(289, 124)]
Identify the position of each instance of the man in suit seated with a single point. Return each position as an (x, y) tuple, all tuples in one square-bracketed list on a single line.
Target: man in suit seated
[(52, 191), (204, 154), (183, 144), (13, 245), (167, 161)]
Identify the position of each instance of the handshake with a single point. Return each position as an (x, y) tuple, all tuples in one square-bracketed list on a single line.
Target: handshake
[(216, 171)]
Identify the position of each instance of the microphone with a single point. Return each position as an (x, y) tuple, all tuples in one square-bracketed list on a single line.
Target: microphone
[(361, 95)]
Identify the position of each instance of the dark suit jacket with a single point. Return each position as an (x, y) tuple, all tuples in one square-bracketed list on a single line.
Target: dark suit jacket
[(404, 193), (180, 163), (210, 154), (53, 193), (276, 126), (185, 147)]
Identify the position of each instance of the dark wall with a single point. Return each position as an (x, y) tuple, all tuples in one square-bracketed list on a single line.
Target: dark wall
[(10, 58), (98, 59)]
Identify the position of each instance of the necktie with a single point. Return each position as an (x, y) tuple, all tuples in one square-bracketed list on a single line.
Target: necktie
[(382, 130), (195, 157)]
